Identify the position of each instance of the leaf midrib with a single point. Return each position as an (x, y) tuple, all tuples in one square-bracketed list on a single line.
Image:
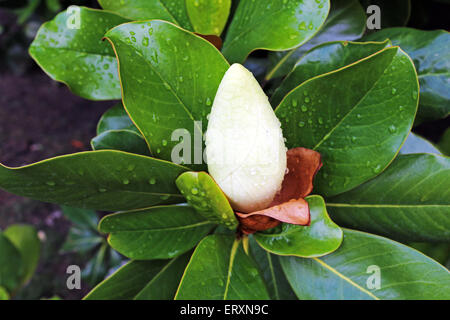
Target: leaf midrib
[(326, 136), (190, 115), (340, 275)]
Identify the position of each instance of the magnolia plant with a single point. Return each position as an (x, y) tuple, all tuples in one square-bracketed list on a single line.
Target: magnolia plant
[(211, 181)]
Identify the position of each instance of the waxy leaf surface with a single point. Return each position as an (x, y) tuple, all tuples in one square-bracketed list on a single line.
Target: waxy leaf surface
[(170, 10), (346, 21), (206, 197), (169, 79), (356, 117), (219, 269), (161, 232), (100, 180), (322, 59), (70, 50), (142, 280), (409, 201), (349, 272), (429, 51), (416, 144), (277, 284), (272, 25), (322, 236), (122, 140), (115, 118), (208, 16)]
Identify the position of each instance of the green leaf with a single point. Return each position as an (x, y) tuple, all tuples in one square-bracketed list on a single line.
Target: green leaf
[(170, 10), (206, 197), (100, 180), (122, 140), (83, 235), (116, 118), (4, 295), (26, 240), (277, 285), (164, 285), (155, 279), (86, 219), (76, 55), (409, 201), (182, 74), (272, 25), (444, 144), (345, 274), (81, 241), (394, 13), (11, 265), (208, 16), (96, 268), (321, 237), (219, 269), (323, 59), (156, 233), (432, 64), (356, 117), (346, 21), (417, 144)]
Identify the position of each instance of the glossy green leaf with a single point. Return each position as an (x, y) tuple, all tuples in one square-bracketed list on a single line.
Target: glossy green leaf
[(100, 180), (164, 285), (156, 233), (394, 13), (168, 85), (356, 117), (432, 62), (219, 269), (170, 10), (122, 140), (155, 279), (208, 16), (116, 118), (4, 295), (272, 25), (322, 59), (417, 144), (321, 237), (11, 265), (277, 285), (26, 240), (346, 21), (409, 201), (350, 272), (206, 197), (70, 50)]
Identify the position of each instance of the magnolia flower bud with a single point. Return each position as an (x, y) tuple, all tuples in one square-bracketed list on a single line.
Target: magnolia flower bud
[(244, 143)]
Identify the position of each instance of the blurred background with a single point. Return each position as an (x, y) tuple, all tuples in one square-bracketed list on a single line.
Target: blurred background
[(40, 118)]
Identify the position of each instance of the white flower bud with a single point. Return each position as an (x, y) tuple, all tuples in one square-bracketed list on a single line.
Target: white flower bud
[(244, 143)]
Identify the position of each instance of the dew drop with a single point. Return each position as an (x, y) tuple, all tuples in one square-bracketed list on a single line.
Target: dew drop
[(152, 181), (194, 190), (392, 129)]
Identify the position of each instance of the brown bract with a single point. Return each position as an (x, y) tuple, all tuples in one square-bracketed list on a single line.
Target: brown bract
[(215, 40), (288, 205)]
